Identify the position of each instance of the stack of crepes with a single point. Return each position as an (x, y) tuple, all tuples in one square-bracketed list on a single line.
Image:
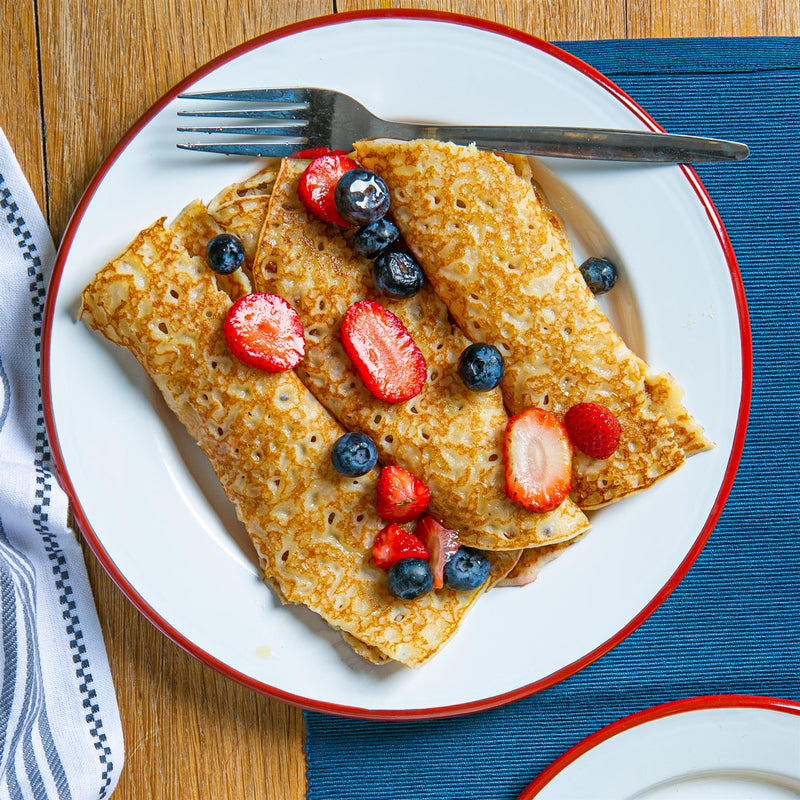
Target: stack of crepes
[(268, 435)]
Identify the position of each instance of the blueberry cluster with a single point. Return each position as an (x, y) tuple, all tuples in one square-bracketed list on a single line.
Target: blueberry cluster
[(410, 578), (362, 198)]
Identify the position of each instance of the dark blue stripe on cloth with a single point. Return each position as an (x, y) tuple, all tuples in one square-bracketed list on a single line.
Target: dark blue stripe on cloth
[(31, 692), (17, 588), (53, 757), (8, 607), (5, 396), (732, 625), (35, 781)]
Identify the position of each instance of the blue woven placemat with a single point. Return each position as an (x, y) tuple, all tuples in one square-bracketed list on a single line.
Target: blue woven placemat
[(733, 624)]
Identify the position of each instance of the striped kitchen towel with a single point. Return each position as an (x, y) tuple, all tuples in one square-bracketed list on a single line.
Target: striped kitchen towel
[(60, 733)]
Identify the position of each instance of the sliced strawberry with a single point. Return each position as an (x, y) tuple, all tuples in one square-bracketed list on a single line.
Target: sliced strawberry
[(441, 543), (593, 429), (317, 184), (401, 496), (316, 152), (383, 352), (393, 544), (538, 459), (264, 331)]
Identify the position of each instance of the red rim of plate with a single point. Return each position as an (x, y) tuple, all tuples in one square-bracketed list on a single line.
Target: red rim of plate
[(703, 702), (332, 708)]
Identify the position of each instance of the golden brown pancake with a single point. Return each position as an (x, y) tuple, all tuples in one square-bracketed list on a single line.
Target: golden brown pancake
[(494, 254), (448, 436), (268, 440)]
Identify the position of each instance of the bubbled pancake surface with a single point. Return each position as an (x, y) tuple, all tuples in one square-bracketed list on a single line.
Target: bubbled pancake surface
[(502, 265), (268, 440), (240, 207), (448, 436), (195, 227)]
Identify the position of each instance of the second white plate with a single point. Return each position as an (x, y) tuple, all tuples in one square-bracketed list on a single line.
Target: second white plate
[(727, 747)]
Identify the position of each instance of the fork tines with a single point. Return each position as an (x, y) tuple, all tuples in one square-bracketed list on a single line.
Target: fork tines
[(279, 106)]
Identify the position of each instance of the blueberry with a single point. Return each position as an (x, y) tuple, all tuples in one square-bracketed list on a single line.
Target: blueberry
[(354, 454), (371, 240), (481, 367), (397, 275), (467, 569), (224, 253), (600, 274), (361, 197), (409, 578)]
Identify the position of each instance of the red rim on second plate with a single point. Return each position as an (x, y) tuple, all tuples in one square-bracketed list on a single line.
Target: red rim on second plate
[(351, 711)]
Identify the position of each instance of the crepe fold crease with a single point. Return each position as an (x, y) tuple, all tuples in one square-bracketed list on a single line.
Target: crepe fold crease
[(497, 256), (268, 440)]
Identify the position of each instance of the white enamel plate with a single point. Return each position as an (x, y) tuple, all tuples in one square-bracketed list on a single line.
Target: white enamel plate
[(723, 747), (152, 510)]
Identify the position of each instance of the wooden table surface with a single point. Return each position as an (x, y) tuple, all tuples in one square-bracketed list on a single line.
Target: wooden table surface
[(75, 75)]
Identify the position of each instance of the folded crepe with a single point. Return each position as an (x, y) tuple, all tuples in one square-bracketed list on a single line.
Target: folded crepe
[(448, 436), (268, 440), (495, 253)]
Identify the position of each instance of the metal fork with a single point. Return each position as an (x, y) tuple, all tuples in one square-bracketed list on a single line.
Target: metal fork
[(305, 118)]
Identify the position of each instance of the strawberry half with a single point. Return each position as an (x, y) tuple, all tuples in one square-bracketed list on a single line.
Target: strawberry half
[(264, 331), (538, 460), (401, 496), (440, 542), (593, 429), (317, 184), (383, 352), (393, 544)]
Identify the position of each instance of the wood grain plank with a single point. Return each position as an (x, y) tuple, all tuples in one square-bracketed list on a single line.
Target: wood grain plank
[(612, 19), (107, 63), (548, 19), (20, 101), (679, 18)]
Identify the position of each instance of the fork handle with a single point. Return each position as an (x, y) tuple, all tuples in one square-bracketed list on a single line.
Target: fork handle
[(600, 143)]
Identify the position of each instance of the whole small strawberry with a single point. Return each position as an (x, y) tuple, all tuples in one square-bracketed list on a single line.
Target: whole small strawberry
[(401, 496), (264, 331), (593, 429)]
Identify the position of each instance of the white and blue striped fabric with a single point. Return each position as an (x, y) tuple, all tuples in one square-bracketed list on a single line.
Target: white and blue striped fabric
[(60, 733)]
